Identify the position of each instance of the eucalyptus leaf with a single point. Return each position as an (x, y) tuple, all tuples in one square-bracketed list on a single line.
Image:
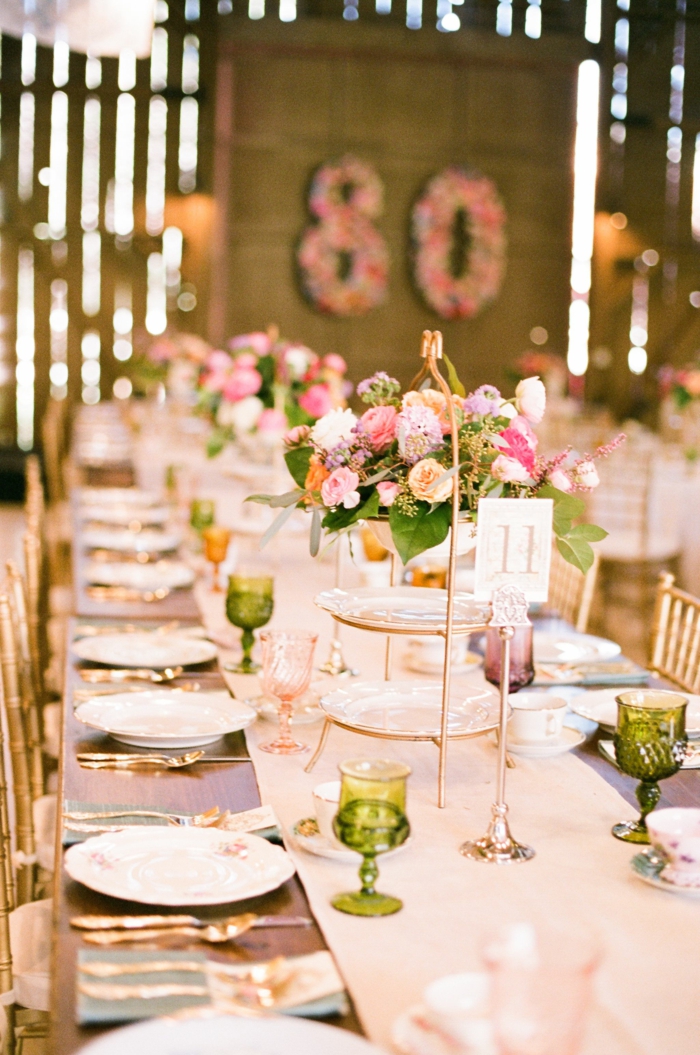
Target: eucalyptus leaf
[(290, 498), (414, 534), (377, 477), (455, 383), (315, 534), (263, 500), (576, 551), (447, 475), (275, 526)]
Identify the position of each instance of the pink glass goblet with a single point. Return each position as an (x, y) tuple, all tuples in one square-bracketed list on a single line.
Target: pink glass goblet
[(287, 664)]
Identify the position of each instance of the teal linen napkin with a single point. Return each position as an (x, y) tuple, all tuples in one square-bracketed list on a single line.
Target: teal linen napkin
[(93, 1010), (619, 671)]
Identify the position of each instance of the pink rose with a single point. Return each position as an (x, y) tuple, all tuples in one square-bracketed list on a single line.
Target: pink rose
[(297, 435), (523, 426), (530, 399), (215, 382), (247, 361), (518, 447), (379, 423), (316, 401), (259, 342), (340, 488), (387, 492), (242, 383), (217, 361), (335, 362), (272, 420), (509, 470), (560, 480), (586, 475)]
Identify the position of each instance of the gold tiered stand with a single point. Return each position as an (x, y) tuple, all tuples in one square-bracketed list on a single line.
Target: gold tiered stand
[(431, 352)]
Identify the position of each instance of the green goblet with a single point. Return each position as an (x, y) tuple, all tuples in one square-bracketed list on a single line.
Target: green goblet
[(249, 605), (202, 512), (371, 820), (650, 744)]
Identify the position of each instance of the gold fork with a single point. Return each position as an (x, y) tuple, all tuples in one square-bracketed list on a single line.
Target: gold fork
[(183, 820), (90, 761)]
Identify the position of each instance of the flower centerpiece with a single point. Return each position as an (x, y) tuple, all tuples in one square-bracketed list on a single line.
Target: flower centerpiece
[(547, 365), (265, 385), (173, 360), (679, 389), (395, 462)]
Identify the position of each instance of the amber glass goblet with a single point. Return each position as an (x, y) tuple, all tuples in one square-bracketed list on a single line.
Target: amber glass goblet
[(287, 663), (650, 744), (216, 540)]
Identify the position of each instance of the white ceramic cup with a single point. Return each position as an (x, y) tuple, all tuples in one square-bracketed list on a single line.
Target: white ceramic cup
[(326, 798), (676, 833), (458, 1004), (432, 649), (538, 718)]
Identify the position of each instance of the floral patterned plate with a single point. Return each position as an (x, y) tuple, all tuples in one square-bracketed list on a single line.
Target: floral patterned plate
[(179, 866)]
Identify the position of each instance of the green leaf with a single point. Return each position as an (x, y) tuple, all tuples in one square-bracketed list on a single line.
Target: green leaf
[(275, 526), (315, 533), (577, 552), (455, 383), (216, 443), (590, 532), (340, 518), (290, 498), (298, 463), (263, 500), (414, 534), (566, 508)]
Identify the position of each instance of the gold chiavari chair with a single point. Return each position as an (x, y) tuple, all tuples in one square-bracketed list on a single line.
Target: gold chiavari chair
[(31, 680), (675, 642), (570, 591)]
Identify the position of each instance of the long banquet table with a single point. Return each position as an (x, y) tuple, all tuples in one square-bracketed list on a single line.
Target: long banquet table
[(647, 986)]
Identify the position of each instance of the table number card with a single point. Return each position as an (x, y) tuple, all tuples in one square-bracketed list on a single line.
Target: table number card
[(513, 546)]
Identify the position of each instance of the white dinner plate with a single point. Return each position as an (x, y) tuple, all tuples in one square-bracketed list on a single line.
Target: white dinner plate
[(146, 541), (409, 608), (101, 496), (570, 647), (229, 1035), (412, 708), (172, 574), (144, 650), (125, 514), (599, 706), (179, 866), (166, 717)]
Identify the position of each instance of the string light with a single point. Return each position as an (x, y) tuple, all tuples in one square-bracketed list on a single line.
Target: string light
[(28, 59), (190, 64), (93, 72), (90, 368), (382, 7), (61, 59), (58, 156), (172, 260), (288, 10), (414, 14), (25, 158), (155, 171), (256, 9), (156, 301), (533, 19), (639, 324), (24, 372), (126, 75), (695, 210), (58, 326), (187, 154), (124, 166), (90, 195), (585, 171), (92, 253), (504, 18), (593, 21), (122, 323), (159, 59)]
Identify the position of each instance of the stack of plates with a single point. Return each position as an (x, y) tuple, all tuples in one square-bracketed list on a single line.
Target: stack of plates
[(145, 649), (126, 541), (404, 609), (169, 574)]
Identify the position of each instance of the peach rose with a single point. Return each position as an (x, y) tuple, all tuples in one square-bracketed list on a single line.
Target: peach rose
[(436, 402), (422, 477)]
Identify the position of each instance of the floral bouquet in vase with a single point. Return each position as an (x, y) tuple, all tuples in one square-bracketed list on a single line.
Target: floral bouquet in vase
[(393, 466), (263, 386), (173, 360)]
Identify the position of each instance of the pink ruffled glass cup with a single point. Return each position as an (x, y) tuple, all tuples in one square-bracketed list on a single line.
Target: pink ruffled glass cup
[(287, 664)]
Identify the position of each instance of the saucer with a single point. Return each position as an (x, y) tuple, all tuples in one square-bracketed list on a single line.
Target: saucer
[(308, 837), (569, 739), (413, 1033), (647, 866)]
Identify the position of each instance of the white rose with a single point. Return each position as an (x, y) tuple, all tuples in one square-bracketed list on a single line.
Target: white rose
[(509, 470), (332, 429), (507, 410), (242, 416), (530, 399), (297, 360), (586, 475)]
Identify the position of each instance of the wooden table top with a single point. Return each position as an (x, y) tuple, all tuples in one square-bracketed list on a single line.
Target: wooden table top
[(228, 785)]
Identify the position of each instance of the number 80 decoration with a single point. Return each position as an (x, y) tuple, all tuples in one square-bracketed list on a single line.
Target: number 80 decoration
[(459, 243), (343, 260)]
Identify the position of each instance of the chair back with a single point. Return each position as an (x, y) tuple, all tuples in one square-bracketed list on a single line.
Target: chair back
[(31, 680), (25, 858), (570, 591), (675, 644), (37, 616), (53, 436)]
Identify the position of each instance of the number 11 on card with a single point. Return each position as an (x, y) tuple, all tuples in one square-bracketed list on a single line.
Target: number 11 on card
[(513, 546)]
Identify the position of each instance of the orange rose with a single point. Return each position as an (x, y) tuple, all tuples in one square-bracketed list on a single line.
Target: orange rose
[(436, 402), (315, 476)]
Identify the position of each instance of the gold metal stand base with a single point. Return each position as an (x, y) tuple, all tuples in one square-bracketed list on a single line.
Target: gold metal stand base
[(335, 664), (498, 846)]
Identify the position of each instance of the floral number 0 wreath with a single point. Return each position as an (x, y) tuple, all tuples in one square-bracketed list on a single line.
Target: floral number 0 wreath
[(342, 258), (459, 243)]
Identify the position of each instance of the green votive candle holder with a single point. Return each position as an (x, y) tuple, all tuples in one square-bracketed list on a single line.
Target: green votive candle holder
[(650, 744), (371, 820)]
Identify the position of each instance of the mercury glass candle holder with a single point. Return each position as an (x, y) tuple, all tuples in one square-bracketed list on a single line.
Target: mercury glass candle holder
[(371, 820), (650, 744)]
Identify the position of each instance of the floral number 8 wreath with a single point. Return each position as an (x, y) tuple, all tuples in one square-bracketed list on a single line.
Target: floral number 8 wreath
[(342, 258), (459, 243)]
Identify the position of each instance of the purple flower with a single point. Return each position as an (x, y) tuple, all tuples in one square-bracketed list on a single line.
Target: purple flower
[(378, 389), (419, 432), (486, 400)]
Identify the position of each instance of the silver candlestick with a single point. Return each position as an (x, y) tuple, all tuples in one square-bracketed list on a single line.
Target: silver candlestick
[(335, 665), (498, 846)]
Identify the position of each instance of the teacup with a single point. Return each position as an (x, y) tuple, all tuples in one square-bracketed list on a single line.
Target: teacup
[(431, 650), (676, 834), (326, 798), (538, 718), (458, 1005)]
